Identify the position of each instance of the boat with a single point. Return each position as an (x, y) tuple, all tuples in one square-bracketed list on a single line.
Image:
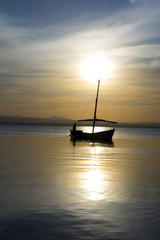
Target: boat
[(93, 136)]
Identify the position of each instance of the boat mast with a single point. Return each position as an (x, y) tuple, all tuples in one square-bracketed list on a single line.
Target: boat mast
[(95, 110)]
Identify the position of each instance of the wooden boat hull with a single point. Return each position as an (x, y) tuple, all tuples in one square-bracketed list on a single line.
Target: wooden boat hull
[(103, 136)]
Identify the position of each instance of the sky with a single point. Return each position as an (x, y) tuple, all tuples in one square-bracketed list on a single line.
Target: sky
[(46, 46)]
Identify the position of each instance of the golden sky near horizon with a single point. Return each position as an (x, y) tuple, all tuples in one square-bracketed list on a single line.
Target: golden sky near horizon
[(52, 55)]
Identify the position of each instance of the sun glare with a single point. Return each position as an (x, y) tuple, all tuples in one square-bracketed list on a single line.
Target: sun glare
[(94, 184), (96, 67)]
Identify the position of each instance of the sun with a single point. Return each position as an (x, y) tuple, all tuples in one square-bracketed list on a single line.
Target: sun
[(95, 67)]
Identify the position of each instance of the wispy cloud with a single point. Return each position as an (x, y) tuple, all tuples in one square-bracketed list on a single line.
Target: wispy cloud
[(43, 59)]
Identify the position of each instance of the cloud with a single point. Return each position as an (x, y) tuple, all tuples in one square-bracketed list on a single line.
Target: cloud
[(45, 58), (140, 51)]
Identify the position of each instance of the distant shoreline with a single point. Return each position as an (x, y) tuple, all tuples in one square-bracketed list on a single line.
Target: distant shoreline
[(58, 121), (123, 125)]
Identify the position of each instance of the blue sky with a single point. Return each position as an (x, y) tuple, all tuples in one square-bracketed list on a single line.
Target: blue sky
[(43, 43), (40, 12)]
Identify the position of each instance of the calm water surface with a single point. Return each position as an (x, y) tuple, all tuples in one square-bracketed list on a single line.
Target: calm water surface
[(53, 188)]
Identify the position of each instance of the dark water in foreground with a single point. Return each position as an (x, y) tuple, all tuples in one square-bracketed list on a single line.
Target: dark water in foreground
[(53, 189)]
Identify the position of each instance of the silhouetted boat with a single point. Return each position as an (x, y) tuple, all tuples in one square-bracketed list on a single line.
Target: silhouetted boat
[(94, 136)]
